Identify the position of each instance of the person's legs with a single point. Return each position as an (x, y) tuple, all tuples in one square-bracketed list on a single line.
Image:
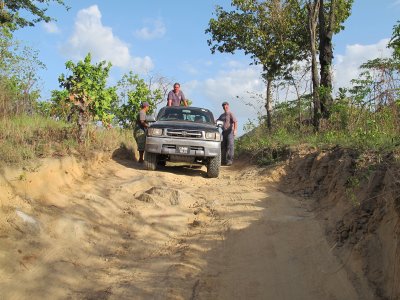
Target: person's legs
[(224, 148), (230, 148), (141, 156), (140, 138)]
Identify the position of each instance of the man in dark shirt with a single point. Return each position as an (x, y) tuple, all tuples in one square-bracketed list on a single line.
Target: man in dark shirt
[(229, 130), (176, 96)]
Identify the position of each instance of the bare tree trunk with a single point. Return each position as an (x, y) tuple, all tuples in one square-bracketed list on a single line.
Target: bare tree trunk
[(82, 125), (313, 9), (83, 114), (326, 57), (268, 103), (300, 117)]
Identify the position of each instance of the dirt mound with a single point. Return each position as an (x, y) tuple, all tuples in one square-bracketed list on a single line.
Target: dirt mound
[(125, 151), (166, 196), (357, 197), (26, 191)]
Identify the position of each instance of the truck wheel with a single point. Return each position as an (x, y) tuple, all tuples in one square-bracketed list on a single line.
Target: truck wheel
[(150, 161), (213, 166)]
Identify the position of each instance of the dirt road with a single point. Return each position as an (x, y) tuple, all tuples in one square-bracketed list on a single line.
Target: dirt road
[(121, 232)]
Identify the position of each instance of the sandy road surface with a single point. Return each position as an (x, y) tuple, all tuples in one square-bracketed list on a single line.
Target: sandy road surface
[(121, 232)]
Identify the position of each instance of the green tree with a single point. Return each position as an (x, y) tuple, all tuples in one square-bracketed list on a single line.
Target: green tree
[(394, 42), (385, 81), (13, 13), (373, 111), (7, 95), (25, 72), (87, 92), (8, 46), (19, 66), (272, 32), (61, 107), (132, 91)]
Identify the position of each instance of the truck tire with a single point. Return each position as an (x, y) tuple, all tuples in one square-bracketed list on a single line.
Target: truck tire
[(213, 166), (150, 161)]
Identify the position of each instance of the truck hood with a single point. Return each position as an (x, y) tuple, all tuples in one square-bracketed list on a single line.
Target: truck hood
[(184, 125)]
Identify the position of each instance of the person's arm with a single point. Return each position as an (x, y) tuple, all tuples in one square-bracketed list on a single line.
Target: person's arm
[(144, 124), (234, 124), (169, 99), (184, 99), (143, 120)]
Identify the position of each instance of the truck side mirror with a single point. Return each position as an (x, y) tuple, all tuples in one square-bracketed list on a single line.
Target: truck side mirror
[(220, 123), (150, 119)]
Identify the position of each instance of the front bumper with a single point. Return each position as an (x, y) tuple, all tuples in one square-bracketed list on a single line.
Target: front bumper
[(169, 146)]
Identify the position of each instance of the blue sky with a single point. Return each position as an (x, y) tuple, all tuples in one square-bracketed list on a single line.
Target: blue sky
[(167, 38)]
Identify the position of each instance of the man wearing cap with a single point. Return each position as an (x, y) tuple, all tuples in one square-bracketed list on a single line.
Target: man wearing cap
[(176, 96), (140, 130), (229, 130)]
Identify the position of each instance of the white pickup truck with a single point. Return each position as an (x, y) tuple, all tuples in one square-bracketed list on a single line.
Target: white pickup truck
[(184, 134)]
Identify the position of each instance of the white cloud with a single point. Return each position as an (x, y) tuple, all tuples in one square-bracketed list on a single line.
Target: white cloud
[(347, 66), (90, 35), (235, 64), (155, 29), (232, 85), (190, 69), (235, 82), (51, 27)]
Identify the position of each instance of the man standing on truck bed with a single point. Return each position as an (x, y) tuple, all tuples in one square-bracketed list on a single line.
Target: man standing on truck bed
[(229, 130), (176, 96)]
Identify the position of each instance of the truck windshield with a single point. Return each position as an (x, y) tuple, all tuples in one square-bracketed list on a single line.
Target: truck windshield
[(187, 115)]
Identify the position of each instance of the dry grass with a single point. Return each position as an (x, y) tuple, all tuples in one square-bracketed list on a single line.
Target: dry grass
[(25, 138)]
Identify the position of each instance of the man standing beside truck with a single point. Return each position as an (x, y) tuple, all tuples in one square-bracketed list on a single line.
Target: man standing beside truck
[(229, 131), (140, 130)]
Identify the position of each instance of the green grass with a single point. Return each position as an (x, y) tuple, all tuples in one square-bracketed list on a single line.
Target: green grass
[(267, 147)]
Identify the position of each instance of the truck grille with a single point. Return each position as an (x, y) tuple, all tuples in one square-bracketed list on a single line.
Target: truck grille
[(192, 148), (196, 134)]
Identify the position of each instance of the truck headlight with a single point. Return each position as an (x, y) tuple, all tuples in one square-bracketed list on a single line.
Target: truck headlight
[(213, 136), (154, 131)]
